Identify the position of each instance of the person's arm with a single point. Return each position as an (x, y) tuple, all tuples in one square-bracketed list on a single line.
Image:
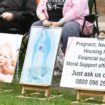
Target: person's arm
[(43, 19), (17, 15), (42, 16), (60, 23), (78, 9), (41, 9), (23, 9), (7, 16), (11, 15), (72, 11)]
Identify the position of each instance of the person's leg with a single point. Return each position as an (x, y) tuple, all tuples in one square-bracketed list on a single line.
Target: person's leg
[(70, 29), (37, 23)]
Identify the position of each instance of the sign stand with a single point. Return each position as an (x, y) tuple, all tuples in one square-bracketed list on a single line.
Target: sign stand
[(90, 93), (40, 61), (37, 87)]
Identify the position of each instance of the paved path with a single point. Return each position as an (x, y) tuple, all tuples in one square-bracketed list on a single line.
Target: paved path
[(101, 25), (101, 20)]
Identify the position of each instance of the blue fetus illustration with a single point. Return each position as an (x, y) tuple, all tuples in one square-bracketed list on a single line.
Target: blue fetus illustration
[(38, 68)]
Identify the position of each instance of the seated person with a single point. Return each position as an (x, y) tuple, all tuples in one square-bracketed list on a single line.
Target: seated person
[(19, 14), (7, 62), (68, 14)]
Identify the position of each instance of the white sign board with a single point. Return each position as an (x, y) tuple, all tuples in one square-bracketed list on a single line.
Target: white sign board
[(84, 65), (40, 56), (9, 49)]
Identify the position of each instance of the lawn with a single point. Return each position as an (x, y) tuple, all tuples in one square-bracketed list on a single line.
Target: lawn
[(59, 96)]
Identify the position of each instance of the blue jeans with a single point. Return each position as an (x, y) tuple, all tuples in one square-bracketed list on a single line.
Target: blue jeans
[(69, 29)]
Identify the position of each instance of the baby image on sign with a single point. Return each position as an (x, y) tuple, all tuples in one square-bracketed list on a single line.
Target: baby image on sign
[(9, 46)]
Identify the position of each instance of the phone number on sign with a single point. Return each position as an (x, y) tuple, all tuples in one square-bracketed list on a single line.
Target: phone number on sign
[(90, 82)]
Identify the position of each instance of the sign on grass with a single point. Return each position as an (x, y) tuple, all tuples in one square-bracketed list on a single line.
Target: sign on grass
[(9, 48), (40, 56), (84, 65)]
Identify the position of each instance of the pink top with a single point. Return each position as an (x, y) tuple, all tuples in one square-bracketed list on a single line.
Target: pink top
[(72, 10)]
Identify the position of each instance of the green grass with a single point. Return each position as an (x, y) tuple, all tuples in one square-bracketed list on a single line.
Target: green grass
[(10, 98), (67, 98)]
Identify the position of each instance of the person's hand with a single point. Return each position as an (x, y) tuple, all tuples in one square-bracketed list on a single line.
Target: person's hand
[(46, 23), (7, 16), (55, 24)]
